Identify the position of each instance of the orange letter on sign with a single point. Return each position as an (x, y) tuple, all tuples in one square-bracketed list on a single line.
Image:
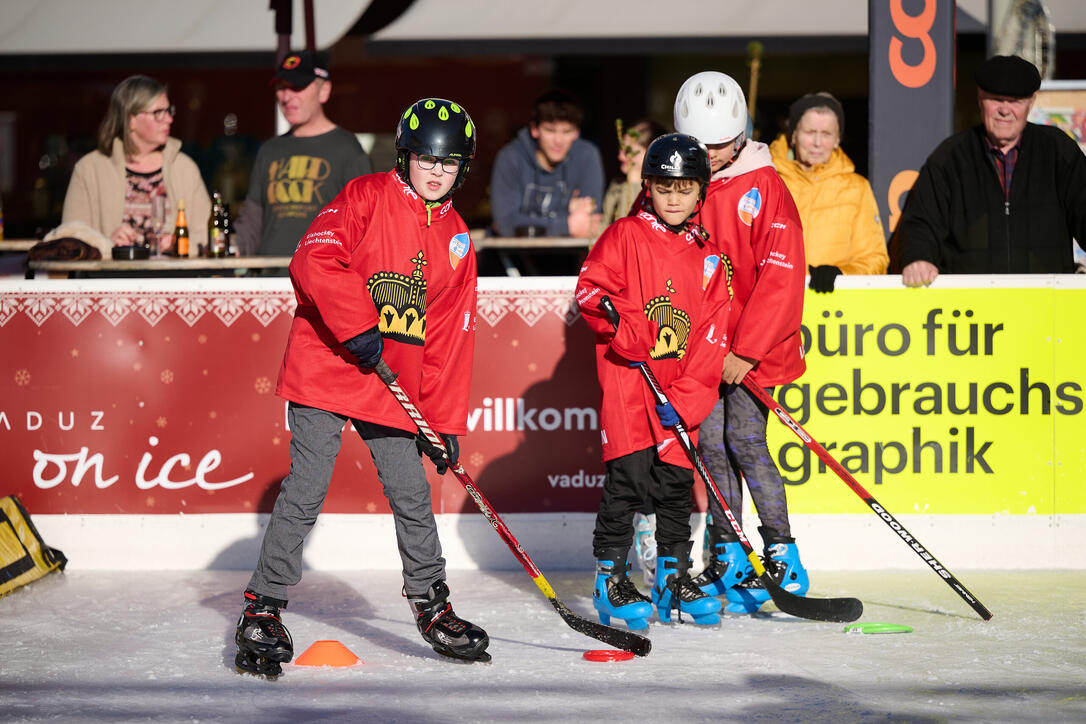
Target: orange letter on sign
[(912, 76), (901, 183)]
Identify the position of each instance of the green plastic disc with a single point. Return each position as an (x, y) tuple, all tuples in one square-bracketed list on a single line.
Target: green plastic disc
[(877, 628)]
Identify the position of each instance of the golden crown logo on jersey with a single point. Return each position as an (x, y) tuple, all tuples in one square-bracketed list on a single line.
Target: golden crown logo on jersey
[(401, 303), (673, 327)]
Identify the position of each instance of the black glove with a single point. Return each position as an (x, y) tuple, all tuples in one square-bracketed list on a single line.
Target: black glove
[(822, 278), (366, 347), (442, 459)]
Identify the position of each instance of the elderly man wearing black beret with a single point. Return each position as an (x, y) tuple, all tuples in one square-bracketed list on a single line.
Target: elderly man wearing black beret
[(1005, 197)]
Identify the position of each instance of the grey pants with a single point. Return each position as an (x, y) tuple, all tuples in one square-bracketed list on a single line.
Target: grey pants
[(732, 442), (315, 443)]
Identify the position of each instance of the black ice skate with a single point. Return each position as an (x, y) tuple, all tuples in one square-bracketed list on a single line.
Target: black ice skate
[(263, 641), (446, 632)]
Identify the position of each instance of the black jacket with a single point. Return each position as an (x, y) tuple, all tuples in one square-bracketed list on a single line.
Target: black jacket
[(955, 216)]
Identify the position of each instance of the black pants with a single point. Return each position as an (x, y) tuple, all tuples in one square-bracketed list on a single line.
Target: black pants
[(631, 480)]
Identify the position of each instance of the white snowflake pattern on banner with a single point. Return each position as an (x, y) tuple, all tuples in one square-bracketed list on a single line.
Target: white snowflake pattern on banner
[(492, 307), (228, 307), (530, 308), (529, 305), (152, 307), (39, 308), (76, 307), (191, 308), (115, 308), (266, 308), (8, 307)]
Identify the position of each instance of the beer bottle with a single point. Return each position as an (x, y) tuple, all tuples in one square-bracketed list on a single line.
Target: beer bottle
[(216, 235), (180, 232), (227, 232)]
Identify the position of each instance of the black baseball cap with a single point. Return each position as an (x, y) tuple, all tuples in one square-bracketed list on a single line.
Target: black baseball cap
[(302, 68), (1008, 75)]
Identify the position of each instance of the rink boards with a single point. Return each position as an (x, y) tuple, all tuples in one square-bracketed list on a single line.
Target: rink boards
[(138, 424)]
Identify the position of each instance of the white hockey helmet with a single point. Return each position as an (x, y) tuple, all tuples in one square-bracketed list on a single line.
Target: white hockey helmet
[(711, 107)]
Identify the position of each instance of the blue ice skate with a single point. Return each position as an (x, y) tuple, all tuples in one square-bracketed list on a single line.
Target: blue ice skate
[(675, 590), (748, 595), (616, 596), (729, 567), (782, 562), (787, 568)]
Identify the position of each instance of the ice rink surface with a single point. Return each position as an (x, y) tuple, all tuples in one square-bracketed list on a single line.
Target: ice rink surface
[(92, 646)]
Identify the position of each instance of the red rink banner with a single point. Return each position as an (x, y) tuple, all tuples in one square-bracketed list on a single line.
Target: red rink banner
[(157, 397)]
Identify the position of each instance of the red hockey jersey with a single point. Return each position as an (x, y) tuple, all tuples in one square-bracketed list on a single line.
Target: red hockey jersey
[(377, 254), (752, 218), (672, 292)]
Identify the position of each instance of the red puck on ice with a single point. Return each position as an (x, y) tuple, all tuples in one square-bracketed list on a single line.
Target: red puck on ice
[(608, 655)]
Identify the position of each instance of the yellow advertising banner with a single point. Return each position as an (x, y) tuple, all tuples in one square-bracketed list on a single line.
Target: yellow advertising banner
[(940, 401)]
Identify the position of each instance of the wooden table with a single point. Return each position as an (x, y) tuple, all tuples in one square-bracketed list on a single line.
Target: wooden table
[(7, 245), (191, 267), (246, 265)]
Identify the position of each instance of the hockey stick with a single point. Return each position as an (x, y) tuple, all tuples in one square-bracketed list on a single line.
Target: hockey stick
[(625, 640), (884, 514), (817, 609)]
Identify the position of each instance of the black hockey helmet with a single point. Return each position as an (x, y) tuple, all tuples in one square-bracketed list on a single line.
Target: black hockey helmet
[(435, 127), (678, 155)]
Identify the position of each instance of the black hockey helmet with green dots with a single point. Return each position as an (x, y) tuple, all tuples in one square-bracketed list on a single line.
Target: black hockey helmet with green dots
[(435, 127)]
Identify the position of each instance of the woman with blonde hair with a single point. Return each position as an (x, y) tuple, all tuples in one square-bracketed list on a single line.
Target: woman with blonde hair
[(129, 189)]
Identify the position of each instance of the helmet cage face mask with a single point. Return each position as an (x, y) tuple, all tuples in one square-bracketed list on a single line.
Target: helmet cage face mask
[(435, 127)]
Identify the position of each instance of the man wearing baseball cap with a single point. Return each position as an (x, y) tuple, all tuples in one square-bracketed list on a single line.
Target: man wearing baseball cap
[(295, 175), (1005, 197)]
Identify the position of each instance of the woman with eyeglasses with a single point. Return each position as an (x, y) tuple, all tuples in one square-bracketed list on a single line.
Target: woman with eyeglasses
[(129, 188)]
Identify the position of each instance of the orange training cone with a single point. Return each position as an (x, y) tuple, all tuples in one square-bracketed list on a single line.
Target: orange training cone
[(327, 653)]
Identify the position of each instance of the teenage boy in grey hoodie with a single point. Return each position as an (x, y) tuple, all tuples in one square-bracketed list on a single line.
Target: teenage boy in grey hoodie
[(548, 177)]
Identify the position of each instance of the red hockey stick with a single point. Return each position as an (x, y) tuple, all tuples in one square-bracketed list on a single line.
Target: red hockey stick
[(851, 482), (625, 640)]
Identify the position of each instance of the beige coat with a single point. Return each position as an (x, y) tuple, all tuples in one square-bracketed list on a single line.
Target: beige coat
[(96, 192)]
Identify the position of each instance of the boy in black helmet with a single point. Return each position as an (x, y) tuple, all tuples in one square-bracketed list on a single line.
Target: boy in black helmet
[(672, 292), (385, 271)]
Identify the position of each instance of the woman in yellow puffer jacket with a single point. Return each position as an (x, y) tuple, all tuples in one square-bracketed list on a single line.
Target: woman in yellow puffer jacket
[(842, 233)]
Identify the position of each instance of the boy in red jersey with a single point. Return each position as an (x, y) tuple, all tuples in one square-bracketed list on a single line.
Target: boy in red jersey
[(753, 219), (385, 271), (671, 289)]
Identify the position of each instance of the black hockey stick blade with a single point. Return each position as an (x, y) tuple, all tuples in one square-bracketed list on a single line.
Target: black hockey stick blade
[(843, 610), (816, 609), (620, 639), (851, 482)]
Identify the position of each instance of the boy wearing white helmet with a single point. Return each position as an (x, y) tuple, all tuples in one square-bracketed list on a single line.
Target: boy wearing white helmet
[(753, 219)]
